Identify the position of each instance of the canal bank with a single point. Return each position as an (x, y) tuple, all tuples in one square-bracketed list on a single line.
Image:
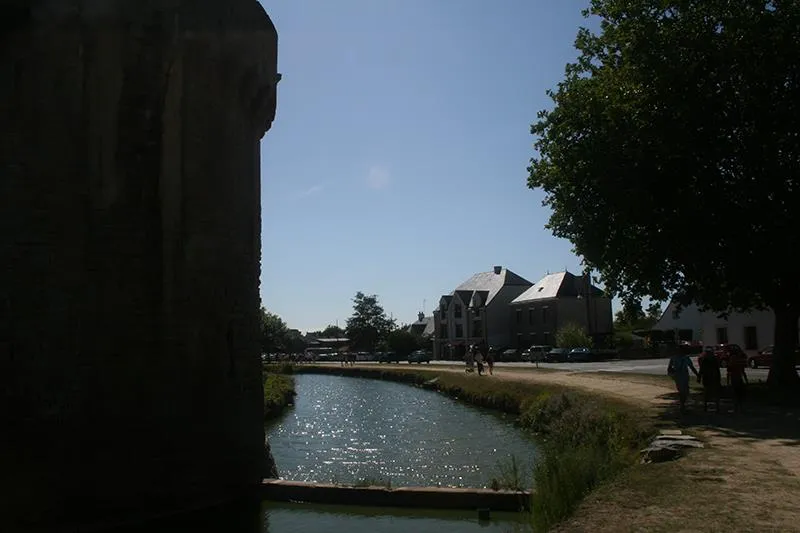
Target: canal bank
[(586, 439)]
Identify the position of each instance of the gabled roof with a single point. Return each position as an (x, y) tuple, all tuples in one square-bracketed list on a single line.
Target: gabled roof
[(558, 285), (488, 284), (424, 327)]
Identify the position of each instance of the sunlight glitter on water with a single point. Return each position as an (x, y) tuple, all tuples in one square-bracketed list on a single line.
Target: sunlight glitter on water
[(347, 429)]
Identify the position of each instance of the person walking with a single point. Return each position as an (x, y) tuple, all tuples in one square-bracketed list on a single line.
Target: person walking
[(490, 360), (478, 359), (737, 378), (710, 376), (678, 369)]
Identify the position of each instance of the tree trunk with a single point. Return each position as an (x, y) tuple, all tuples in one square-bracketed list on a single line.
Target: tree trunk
[(782, 373)]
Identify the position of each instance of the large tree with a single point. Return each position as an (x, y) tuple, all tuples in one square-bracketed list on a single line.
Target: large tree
[(274, 333), (369, 324), (671, 156)]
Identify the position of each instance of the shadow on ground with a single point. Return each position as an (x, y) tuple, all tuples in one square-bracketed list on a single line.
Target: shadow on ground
[(758, 420)]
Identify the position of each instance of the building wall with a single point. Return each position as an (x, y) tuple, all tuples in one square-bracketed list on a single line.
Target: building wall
[(130, 256), (734, 328), (538, 322), (690, 319), (500, 314)]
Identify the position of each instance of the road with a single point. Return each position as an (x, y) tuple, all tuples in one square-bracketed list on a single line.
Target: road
[(637, 366)]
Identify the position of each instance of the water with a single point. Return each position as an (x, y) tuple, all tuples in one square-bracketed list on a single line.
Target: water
[(345, 430), (273, 517)]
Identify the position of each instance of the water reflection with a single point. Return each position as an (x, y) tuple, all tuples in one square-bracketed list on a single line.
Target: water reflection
[(348, 429), (272, 517)]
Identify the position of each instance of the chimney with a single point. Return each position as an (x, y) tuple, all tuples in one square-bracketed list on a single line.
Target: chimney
[(421, 316), (498, 269)]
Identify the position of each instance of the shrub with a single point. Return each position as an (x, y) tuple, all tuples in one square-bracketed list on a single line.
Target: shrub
[(278, 394)]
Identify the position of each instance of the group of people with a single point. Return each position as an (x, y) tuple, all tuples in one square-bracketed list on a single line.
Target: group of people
[(710, 375), (475, 357)]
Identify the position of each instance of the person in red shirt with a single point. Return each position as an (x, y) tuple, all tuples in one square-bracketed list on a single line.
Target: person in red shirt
[(737, 378)]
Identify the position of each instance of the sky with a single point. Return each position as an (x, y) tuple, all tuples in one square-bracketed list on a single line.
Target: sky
[(396, 164)]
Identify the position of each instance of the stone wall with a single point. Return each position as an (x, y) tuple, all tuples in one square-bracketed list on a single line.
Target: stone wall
[(130, 254)]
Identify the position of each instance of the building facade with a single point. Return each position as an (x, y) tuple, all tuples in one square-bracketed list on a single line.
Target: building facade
[(477, 312), (555, 301)]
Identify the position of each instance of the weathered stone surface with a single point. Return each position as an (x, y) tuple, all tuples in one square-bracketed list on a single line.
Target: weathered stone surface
[(130, 253), (669, 446)]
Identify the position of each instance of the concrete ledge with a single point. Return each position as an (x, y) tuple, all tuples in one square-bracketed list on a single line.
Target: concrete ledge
[(419, 497)]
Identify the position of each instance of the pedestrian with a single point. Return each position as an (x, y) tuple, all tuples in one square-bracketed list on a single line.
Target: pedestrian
[(678, 369), (737, 378), (478, 359), (490, 361), (710, 377), (470, 359)]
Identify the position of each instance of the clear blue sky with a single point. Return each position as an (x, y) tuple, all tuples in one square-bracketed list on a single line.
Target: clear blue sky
[(397, 161)]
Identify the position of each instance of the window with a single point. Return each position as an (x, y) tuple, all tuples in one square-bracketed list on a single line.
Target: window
[(477, 330), (546, 338), (750, 338), (443, 331), (722, 335), (457, 312), (519, 340), (544, 314), (534, 338), (531, 317), (459, 331), (519, 316)]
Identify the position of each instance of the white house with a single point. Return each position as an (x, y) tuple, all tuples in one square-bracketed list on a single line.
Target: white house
[(752, 331)]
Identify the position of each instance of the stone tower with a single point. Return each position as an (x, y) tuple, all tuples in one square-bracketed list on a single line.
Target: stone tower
[(130, 254)]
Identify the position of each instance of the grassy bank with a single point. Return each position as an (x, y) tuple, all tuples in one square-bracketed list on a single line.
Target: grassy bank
[(278, 394), (585, 440)]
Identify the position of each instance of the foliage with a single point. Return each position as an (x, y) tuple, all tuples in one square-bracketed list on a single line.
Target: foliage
[(332, 332), (633, 317), (369, 324), (670, 157), (403, 342), (274, 333), (278, 394), (509, 475), (573, 336)]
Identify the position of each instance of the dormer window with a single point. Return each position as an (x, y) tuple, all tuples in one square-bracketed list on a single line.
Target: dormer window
[(457, 312)]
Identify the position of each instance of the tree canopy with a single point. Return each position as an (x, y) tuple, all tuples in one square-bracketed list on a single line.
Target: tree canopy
[(633, 316), (368, 324), (573, 336), (403, 342), (670, 157), (274, 333)]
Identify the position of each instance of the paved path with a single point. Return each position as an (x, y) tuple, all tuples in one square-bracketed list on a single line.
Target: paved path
[(656, 367)]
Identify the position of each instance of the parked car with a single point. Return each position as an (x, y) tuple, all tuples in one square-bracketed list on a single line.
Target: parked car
[(580, 355), (725, 351), (510, 355), (419, 357), (556, 355), (764, 358), (388, 357), (536, 353)]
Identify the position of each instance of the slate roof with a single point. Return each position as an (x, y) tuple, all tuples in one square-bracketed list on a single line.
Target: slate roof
[(424, 327), (488, 284), (558, 285)]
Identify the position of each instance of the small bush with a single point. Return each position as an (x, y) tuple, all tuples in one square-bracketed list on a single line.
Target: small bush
[(278, 394)]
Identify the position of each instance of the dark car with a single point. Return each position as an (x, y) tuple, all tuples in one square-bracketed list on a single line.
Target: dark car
[(556, 355), (725, 351), (388, 357), (419, 357), (580, 355), (535, 354), (764, 357)]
